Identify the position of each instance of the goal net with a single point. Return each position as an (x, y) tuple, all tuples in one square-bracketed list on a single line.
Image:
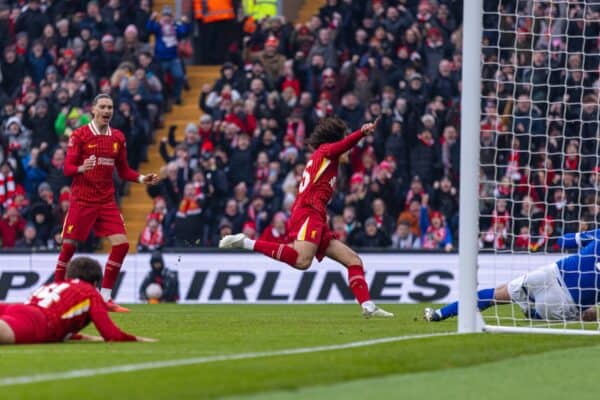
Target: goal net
[(539, 163)]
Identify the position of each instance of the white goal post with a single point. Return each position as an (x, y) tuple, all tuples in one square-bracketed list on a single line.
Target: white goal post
[(529, 82), (468, 230)]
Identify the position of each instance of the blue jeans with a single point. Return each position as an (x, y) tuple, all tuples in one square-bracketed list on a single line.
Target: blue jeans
[(175, 68)]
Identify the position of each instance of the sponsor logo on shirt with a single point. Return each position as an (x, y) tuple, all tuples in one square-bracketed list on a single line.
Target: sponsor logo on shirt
[(106, 161), (91, 146)]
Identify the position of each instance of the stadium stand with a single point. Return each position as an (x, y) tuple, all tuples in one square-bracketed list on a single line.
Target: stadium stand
[(235, 167), (55, 58), (358, 60)]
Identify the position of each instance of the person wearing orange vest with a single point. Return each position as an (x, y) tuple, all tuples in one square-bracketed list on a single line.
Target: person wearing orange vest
[(217, 29), (214, 10)]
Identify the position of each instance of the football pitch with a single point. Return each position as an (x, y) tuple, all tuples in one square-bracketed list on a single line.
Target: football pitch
[(300, 352)]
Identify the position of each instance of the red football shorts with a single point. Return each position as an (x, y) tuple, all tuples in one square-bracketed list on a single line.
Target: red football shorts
[(308, 225), (28, 323), (104, 219)]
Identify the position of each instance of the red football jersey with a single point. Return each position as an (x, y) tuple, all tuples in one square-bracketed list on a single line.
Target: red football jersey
[(320, 174), (96, 185), (70, 306)]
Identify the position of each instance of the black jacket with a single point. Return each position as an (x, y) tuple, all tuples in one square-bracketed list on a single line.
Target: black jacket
[(241, 167), (381, 239), (32, 22), (166, 278), (425, 162)]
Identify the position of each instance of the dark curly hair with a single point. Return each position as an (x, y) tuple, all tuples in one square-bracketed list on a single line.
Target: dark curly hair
[(328, 130), (86, 269)]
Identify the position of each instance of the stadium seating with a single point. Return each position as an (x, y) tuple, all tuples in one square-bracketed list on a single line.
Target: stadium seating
[(55, 59), (275, 87)]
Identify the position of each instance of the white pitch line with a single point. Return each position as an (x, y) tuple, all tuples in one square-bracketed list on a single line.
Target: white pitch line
[(83, 373)]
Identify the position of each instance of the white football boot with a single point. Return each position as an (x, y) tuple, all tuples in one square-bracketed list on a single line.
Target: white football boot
[(370, 310), (232, 241)]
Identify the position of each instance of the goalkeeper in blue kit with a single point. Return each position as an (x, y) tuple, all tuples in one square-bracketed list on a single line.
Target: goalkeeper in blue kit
[(568, 289)]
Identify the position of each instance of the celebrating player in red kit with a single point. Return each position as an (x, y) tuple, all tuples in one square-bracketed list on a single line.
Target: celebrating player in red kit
[(308, 223), (58, 311), (93, 152)]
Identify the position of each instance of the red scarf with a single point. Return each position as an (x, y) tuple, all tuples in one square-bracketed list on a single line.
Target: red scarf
[(513, 163), (572, 162), (427, 143), (502, 217), (152, 239), (261, 175), (433, 237), (523, 241), (188, 207), (7, 187), (298, 133)]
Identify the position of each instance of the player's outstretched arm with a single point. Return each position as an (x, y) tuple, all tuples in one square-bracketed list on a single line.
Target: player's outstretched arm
[(82, 337), (338, 148), (150, 179), (145, 339), (127, 174), (105, 326), (579, 239)]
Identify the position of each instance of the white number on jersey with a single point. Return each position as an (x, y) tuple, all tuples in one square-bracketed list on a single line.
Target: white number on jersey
[(305, 178), (49, 294)]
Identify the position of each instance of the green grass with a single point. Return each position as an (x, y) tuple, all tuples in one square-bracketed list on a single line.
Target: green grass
[(466, 366)]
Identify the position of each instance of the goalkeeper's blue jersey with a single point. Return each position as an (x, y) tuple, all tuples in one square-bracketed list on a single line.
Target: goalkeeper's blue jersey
[(581, 271)]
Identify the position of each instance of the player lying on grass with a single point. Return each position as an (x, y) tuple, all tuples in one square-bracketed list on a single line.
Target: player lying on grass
[(567, 290), (58, 311), (308, 222), (94, 152)]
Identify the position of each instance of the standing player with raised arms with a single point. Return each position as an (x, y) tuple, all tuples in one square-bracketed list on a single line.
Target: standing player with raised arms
[(308, 223), (93, 152)]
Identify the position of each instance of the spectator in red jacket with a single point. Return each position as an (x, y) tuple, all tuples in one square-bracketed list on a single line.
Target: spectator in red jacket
[(276, 232), (12, 226)]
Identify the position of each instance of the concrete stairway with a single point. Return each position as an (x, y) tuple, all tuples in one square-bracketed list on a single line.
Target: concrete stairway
[(137, 205), (308, 9)]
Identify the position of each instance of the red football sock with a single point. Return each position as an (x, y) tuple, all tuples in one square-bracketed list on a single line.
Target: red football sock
[(358, 284), (113, 265), (66, 253), (277, 251)]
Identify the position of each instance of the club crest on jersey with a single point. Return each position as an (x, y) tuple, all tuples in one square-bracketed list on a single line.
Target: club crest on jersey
[(115, 147), (69, 228)]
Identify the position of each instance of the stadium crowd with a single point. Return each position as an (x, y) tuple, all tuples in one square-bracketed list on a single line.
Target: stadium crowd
[(401, 60), (237, 168), (540, 166), (55, 57)]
